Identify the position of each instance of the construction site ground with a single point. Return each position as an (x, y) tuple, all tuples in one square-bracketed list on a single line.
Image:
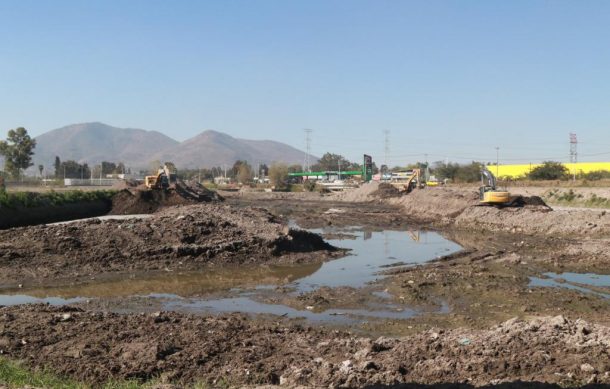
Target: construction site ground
[(524, 299)]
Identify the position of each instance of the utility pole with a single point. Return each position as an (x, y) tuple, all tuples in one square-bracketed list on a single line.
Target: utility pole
[(386, 146), (497, 160), (307, 166), (573, 153)]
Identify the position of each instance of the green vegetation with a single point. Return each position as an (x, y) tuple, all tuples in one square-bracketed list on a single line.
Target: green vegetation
[(15, 375), (17, 151), (596, 201), (278, 175), (549, 170), (572, 198), (31, 199), (596, 175), (456, 172)]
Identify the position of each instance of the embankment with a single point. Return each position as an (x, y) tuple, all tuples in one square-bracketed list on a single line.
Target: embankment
[(20, 216), (173, 238), (460, 207)]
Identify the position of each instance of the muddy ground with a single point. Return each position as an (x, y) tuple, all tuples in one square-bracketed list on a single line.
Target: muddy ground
[(237, 350), (184, 237), (486, 323)]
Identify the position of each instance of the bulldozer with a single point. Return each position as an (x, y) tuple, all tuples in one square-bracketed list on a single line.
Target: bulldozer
[(489, 194)]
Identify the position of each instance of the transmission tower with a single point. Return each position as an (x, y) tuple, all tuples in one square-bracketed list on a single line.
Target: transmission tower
[(573, 145), (306, 165), (386, 148)]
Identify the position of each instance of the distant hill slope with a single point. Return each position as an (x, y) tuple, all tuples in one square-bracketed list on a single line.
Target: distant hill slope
[(97, 142), (213, 148)]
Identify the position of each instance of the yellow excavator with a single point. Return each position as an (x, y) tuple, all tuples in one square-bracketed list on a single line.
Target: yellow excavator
[(489, 194), (413, 181), (163, 180)]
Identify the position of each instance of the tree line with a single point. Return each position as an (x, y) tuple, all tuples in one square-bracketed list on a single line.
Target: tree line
[(18, 150)]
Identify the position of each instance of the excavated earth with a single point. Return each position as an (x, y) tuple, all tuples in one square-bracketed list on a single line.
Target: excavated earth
[(498, 328), (236, 350), (174, 238)]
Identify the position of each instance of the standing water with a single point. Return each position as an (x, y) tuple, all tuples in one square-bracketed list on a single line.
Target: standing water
[(239, 289)]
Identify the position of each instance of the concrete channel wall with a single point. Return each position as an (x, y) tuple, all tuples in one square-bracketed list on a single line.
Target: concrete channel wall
[(19, 217)]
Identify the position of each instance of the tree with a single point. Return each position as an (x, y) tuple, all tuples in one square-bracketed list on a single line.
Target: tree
[(108, 167), (237, 166), (549, 170), (334, 162), (244, 174), (57, 166), (72, 169), (278, 174), (296, 168), (17, 151)]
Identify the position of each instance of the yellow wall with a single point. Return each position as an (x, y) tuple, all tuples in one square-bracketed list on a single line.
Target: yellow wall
[(516, 171)]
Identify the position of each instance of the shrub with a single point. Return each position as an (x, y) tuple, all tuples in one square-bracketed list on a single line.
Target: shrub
[(549, 170), (596, 175)]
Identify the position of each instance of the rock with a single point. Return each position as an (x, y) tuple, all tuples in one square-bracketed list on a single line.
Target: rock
[(66, 317), (346, 366), (558, 321), (382, 343), (587, 368)]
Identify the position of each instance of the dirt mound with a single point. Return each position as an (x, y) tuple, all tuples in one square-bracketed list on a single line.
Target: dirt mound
[(385, 191), (536, 220), (361, 194), (197, 192), (97, 347), (440, 205), (180, 237), (142, 201)]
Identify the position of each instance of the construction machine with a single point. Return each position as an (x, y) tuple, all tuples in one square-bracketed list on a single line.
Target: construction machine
[(488, 192), (413, 180), (163, 180)]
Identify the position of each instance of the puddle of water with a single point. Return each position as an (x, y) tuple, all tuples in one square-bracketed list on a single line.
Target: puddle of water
[(185, 284), (247, 305), (371, 251), (568, 281), (583, 278), (19, 299)]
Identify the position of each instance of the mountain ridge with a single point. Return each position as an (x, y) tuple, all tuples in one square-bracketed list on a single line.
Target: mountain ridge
[(94, 142)]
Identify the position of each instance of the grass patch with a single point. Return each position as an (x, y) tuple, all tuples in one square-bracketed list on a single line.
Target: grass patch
[(15, 375), (571, 198), (52, 198)]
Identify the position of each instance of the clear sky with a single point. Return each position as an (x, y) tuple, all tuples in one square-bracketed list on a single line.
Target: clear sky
[(448, 79)]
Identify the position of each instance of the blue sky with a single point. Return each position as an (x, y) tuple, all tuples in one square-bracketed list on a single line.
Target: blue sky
[(450, 79)]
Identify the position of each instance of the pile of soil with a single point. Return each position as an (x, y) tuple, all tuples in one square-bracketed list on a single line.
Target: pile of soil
[(385, 191), (440, 205), (178, 237), (235, 350), (536, 220), (359, 195), (140, 200)]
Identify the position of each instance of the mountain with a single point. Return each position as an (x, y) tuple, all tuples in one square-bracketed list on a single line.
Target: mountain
[(213, 148), (97, 142)]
